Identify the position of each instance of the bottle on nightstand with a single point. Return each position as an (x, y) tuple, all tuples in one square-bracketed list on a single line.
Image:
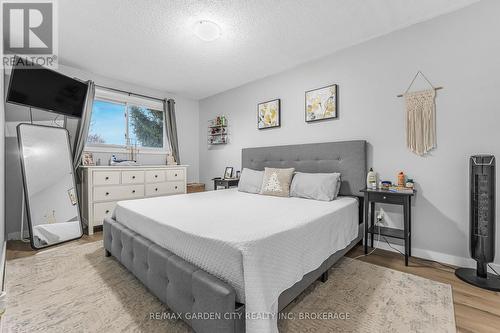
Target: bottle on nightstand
[(371, 180)]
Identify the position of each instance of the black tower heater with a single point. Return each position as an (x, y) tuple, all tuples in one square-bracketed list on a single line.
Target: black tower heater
[(482, 223)]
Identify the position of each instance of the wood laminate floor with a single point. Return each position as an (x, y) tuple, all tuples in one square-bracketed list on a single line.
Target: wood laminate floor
[(476, 310)]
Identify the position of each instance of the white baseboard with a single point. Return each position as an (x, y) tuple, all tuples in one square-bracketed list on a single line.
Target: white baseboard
[(435, 256)]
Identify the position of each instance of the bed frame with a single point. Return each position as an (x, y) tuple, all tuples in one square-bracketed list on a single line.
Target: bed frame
[(189, 290)]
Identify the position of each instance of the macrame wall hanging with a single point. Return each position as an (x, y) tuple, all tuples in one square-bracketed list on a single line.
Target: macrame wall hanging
[(420, 118)]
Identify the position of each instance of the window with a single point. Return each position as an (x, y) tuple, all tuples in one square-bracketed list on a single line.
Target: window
[(145, 126), (107, 125), (118, 121)]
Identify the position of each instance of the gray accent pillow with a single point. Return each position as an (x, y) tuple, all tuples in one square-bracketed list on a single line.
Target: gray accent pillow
[(276, 182), (250, 181), (317, 186)]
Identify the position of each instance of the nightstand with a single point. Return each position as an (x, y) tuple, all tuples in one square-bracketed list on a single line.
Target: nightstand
[(226, 183), (393, 198)]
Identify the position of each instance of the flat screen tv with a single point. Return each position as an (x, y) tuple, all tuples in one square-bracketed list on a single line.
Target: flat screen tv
[(38, 87)]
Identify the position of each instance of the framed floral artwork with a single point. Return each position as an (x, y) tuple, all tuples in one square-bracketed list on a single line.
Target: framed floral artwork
[(321, 103), (269, 114)]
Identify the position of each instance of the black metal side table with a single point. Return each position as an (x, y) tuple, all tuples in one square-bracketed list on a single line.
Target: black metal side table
[(394, 198), (226, 183)]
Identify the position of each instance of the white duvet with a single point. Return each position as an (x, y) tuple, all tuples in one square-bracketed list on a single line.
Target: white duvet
[(261, 245)]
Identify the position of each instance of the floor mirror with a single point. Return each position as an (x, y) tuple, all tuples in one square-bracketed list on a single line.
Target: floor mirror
[(49, 185)]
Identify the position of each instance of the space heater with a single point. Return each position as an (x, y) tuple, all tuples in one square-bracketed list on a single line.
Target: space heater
[(482, 223)]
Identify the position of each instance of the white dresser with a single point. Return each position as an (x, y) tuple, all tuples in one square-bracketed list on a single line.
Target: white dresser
[(103, 186)]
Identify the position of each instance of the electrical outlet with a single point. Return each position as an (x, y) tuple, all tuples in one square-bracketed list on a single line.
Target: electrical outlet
[(380, 217)]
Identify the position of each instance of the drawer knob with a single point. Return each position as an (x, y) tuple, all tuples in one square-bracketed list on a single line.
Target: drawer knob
[(156, 189), (107, 211), (107, 178), (176, 187), (156, 176), (133, 177), (385, 197), (107, 193), (175, 175), (133, 191)]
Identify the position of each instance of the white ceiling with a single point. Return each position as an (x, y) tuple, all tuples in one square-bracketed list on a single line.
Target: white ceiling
[(151, 43)]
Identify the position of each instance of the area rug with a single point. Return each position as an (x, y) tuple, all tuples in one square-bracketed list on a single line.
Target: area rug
[(75, 288)]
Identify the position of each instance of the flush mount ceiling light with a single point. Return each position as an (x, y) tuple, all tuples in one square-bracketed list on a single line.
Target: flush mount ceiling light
[(206, 30)]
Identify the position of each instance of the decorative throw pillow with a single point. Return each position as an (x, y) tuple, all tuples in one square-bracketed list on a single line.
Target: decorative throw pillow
[(250, 181), (277, 182), (317, 186)]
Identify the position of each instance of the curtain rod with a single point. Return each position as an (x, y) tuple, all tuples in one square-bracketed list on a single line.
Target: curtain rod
[(130, 93)]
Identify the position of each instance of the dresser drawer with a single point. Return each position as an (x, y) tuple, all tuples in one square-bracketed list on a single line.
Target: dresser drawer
[(103, 209), (176, 187), (155, 176), (175, 174), (387, 198), (164, 188), (106, 177), (132, 177), (108, 193)]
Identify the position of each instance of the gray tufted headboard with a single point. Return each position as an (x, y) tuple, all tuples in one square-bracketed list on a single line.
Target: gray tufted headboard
[(346, 157)]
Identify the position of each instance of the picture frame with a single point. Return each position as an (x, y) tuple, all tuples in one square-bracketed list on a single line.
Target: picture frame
[(321, 103), (87, 159), (228, 173), (269, 114)]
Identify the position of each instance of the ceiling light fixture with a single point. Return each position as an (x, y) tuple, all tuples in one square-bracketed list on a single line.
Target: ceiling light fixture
[(207, 30)]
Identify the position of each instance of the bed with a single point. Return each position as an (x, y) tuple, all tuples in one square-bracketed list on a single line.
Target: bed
[(236, 256)]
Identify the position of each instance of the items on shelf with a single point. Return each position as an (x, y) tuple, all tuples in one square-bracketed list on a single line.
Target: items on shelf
[(399, 189), (402, 184), (115, 161), (371, 180), (87, 159), (217, 130), (401, 179), (171, 160), (385, 184), (228, 173), (132, 150)]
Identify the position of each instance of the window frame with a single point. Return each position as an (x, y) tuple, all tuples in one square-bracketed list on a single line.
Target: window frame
[(129, 100)]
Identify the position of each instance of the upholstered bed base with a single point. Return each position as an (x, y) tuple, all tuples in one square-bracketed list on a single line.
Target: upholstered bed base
[(189, 290)]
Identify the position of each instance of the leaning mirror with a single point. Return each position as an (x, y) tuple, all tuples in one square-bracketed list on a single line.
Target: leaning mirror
[(49, 185)]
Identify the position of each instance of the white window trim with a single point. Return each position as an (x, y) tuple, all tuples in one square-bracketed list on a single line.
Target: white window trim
[(123, 150), (115, 97)]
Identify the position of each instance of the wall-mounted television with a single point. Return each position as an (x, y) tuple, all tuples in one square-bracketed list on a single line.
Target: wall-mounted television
[(38, 87)]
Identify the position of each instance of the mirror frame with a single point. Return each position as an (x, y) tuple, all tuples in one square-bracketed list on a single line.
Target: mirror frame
[(25, 185)]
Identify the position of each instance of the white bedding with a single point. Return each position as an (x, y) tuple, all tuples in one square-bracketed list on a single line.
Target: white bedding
[(261, 245)]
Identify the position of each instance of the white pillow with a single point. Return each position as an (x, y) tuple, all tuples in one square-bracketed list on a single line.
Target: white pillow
[(317, 186), (250, 181)]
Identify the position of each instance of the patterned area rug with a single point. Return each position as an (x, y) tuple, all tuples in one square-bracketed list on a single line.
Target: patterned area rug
[(74, 288)]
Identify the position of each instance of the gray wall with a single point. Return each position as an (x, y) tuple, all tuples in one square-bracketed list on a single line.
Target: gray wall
[(459, 51), (187, 113)]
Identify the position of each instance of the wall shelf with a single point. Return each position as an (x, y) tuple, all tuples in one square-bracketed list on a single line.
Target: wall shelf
[(217, 133)]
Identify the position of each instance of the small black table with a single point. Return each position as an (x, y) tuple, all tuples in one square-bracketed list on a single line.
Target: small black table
[(394, 198), (226, 183)]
